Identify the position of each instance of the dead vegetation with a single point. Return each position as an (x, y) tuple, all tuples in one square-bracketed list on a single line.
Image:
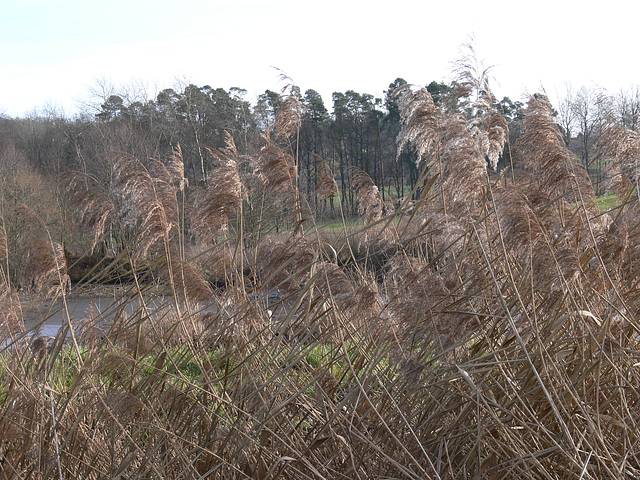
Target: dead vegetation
[(490, 331)]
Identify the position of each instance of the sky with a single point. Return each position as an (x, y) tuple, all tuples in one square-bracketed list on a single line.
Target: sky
[(65, 55)]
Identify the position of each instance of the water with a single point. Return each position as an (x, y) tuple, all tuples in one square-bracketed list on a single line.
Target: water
[(46, 317)]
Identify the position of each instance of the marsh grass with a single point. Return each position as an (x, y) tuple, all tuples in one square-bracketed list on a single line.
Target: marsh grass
[(486, 330)]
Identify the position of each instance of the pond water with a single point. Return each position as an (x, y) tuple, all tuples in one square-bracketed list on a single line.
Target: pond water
[(46, 316)]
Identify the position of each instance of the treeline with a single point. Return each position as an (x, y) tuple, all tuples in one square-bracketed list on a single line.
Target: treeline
[(356, 130)]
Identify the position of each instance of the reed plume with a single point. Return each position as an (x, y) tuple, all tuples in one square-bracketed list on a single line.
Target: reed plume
[(288, 117), (148, 203), (326, 187), (619, 148), (421, 120), (221, 198), (94, 210), (454, 146), (188, 281), (276, 167), (284, 263), (544, 152), (175, 167), (368, 199)]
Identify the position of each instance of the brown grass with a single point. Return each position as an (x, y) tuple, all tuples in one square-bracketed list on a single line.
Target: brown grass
[(489, 332)]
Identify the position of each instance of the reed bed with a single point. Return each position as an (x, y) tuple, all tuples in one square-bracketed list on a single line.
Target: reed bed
[(487, 330)]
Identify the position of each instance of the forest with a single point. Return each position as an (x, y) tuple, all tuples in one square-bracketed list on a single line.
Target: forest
[(434, 284), (359, 130)]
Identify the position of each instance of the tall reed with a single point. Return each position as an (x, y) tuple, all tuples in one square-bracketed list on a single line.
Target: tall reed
[(487, 331)]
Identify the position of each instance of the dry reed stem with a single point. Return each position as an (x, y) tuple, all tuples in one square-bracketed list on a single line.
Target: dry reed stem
[(483, 342)]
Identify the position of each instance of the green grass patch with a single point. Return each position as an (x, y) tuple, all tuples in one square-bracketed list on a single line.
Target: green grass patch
[(607, 202)]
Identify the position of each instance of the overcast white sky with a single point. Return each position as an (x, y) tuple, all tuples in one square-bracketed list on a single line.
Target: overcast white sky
[(52, 53)]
